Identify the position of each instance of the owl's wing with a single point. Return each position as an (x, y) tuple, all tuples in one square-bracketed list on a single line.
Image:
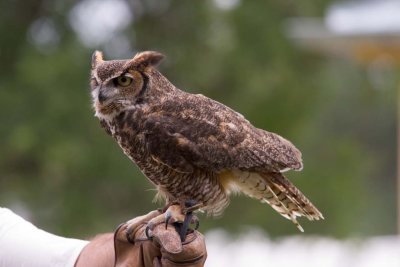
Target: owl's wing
[(202, 133)]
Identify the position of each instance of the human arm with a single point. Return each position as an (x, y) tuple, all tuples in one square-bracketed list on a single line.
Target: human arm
[(23, 244)]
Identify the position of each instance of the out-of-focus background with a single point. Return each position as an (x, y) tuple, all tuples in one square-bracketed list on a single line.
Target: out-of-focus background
[(322, 73)]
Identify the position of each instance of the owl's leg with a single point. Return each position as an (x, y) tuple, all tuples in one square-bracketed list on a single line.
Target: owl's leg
[(192, 205), (172, 214), (169, 204)]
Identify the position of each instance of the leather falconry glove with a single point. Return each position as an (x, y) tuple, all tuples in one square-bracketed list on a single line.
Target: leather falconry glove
[(160, 247)]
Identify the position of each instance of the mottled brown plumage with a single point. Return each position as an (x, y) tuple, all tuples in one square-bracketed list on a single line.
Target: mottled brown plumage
[(192, 147)]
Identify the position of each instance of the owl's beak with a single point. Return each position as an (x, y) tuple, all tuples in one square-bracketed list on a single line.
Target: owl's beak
[(105, 95), (102, 97)]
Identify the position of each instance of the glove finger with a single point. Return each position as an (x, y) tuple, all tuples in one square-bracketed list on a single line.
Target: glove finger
[(194, 253), (168, 239)]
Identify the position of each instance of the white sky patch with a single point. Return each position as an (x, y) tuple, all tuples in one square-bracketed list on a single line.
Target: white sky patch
[(96, 21), (226, 4), (364, 17)]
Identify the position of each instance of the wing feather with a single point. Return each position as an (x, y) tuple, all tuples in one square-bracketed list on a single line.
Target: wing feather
[(203, 133)]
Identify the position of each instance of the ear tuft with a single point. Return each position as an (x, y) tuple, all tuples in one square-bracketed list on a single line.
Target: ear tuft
[(147, 58), (97, 58)]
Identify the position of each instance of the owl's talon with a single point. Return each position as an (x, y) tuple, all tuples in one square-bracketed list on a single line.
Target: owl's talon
[(168, 217), (147, 232), (185, 226)]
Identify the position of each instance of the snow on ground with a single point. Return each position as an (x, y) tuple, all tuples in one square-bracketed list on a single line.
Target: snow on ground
[(255, 249)]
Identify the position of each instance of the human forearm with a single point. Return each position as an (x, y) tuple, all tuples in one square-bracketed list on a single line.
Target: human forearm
[(23, 244)]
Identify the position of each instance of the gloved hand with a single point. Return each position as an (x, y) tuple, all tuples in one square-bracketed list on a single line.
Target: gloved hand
[(164, 248)]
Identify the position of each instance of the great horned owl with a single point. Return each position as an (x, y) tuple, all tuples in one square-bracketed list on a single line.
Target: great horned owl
[(191, 147)]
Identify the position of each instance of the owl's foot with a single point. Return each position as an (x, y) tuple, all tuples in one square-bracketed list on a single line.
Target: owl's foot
[(189, 207), (180, 217), (172, 214)]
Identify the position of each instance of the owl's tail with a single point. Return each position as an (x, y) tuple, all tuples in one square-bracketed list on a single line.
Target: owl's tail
[(276, 190)]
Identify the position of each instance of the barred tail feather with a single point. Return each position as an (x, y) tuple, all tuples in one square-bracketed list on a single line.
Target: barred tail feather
[(292, 197), (276, 190), (282, 207)]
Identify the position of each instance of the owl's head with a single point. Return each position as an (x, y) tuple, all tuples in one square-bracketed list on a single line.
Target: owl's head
[(117, 85)]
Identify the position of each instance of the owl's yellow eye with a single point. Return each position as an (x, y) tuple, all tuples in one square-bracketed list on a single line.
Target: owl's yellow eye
[(124, 81)]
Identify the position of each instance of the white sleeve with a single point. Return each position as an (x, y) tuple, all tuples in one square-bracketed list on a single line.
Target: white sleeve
[(22, 244)]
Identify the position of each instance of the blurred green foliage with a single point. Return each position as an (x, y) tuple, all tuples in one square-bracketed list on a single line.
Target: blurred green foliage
[(58, 164)]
